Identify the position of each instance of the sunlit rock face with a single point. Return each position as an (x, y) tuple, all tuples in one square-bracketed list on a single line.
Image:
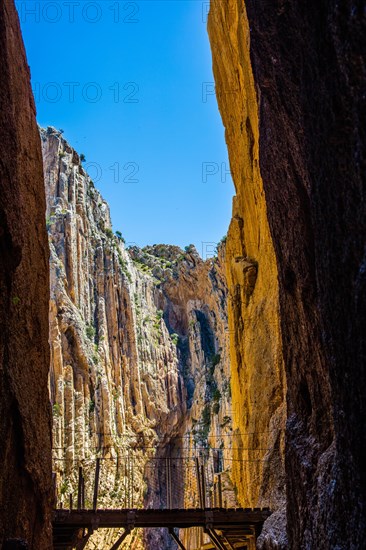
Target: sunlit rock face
[(290, 85), (258, 378), (25, 415), (139, 349)]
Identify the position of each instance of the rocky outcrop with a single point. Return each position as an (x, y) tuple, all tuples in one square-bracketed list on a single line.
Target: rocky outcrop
[(139, 354), (114, 378), (194, 302), (25, 415), (290, 81)]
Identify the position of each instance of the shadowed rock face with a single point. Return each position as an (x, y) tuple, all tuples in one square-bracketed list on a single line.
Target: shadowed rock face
[(25, 420), (307, 71)]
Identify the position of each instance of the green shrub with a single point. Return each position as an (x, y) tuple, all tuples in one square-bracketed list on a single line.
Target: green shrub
[(216, 396), (119, 235), (82, 158), (90, 332), (206, 416), (56, 410), (64, 487), (49, 221), (109, 233), (175, 338)]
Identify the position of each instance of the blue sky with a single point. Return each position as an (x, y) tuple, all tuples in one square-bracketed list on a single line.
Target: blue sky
[(131, 84)]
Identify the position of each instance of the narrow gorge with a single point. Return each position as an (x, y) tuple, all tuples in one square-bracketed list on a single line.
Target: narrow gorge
[(152, 362), (139, 345)]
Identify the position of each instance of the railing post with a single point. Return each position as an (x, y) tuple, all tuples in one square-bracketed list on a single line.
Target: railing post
[(199, 483), (203, 481), (80, 483), (96, 485), (128, 481), (168, 481), (54, 482), (219, 490), (132, 485), (83, 492), (125, 482)]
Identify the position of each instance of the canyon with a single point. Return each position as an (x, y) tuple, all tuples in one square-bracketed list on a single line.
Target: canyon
[(257, 353), (139, 353)]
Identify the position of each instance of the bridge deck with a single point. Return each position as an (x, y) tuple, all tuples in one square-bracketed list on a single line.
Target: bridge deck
[(220, 517), (245, 522)]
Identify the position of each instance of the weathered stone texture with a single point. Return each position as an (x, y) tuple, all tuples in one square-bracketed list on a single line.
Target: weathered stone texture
[(25, 415), (257, 369), (139, 353), (299, 69)]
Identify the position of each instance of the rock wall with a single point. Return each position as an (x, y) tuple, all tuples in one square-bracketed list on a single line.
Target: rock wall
[(139, 352), (257, 368), (290, 79), (194, 301), (25, 416)]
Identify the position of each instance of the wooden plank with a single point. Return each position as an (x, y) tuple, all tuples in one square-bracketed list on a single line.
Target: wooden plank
[(225, 519)]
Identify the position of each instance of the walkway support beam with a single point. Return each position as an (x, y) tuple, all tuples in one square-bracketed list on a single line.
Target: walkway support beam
[(118, 543), (176, 539)]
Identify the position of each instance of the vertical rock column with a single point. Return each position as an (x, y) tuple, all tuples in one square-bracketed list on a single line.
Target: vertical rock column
[(25, 419), (257, 370)]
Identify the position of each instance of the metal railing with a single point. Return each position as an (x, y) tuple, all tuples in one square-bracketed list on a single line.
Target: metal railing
[(139, 480)]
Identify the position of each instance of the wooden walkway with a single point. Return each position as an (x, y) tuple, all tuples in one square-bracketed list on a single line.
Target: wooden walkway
[(227, 529)]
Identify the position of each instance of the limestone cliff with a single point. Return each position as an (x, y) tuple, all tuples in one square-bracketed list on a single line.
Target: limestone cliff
[(25, 416), (290, 82), (139, 354), (258, 378), (194, 302)]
